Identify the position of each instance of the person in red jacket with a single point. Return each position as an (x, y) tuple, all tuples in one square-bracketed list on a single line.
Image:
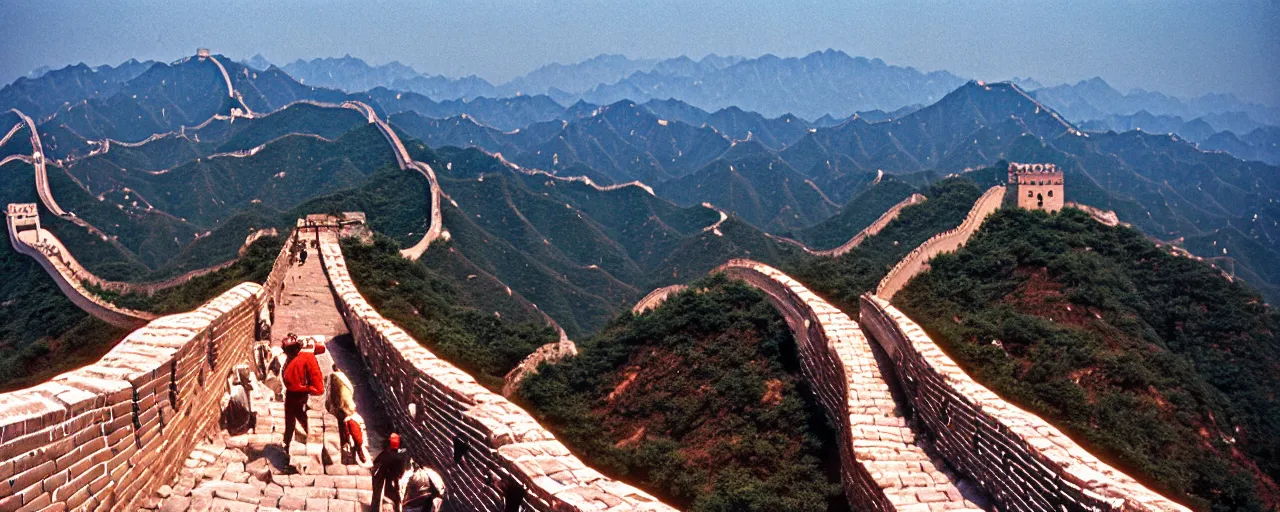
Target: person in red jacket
[(302, 378)]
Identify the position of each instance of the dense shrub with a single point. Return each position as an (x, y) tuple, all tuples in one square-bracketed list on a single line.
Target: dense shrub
[(700, 401), (435, 312), (1154, 361)]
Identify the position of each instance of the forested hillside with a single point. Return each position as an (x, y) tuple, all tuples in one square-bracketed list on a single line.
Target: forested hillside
[(1154, 361), (699, 401)]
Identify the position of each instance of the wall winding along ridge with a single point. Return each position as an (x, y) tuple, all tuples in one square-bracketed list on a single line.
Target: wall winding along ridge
[(1022, 460), (882, 467), (436, 229), (946, 241), (105, 436), (66, 272), (875, 227), (448, 420)]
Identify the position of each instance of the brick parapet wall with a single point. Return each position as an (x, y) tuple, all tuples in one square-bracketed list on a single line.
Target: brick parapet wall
[(69, 276), (945, 241), (105, 436), (882, 468), (451, 422), (1020, 459)]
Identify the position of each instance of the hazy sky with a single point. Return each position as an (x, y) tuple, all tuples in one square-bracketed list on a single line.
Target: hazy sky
[(1179, 47)]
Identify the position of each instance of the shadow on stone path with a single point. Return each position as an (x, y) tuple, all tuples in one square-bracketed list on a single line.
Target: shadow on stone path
[(246, 472)]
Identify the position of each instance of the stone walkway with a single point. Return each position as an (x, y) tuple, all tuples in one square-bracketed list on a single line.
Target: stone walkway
[(247, 472)]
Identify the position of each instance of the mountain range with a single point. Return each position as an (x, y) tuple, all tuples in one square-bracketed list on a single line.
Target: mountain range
[(780, 174)]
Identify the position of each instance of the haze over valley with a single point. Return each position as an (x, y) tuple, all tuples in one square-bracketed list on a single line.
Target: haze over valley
[(694, 273)]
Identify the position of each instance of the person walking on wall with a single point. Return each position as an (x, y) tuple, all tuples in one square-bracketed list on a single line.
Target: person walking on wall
[(340, 402), (388, 467), (302, 256), (424, 492), (302, 378)]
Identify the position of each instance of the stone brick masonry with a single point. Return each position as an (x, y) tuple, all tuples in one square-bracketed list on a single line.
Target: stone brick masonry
[(917, 260), (882, 466), (479, 439), (1020, 459), (105, 436)]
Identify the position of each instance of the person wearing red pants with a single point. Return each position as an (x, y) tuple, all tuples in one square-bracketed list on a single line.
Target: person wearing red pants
[(388, 467), (302, 378)]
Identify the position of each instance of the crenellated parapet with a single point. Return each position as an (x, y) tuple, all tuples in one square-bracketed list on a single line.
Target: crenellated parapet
[(946, 241), (482, 442), (882, 465), (1021, 460), (105, 436)]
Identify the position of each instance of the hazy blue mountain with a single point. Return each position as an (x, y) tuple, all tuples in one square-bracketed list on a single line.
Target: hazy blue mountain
[(348, 73), (829, 82), (580, 77), (43, 93), (442, 88), (1262, 144), (257, 62), (1095, 99)]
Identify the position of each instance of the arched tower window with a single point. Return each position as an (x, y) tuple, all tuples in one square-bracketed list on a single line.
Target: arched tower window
[(1050, 193)]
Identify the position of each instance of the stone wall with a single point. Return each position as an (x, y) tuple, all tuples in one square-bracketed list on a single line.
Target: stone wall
[(656, 298), (946, 241), (478, 439), (882, 467), (67, 273), (1020, 459), (105, 436)]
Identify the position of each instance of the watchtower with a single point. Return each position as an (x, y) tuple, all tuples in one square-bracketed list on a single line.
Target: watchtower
[(1037, 186), (202, 53), (24, 214)]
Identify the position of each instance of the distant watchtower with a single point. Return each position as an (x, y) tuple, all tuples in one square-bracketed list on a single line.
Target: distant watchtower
[(202, 53), (1037, 186)]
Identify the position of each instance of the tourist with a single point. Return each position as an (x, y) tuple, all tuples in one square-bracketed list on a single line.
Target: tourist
[(425, 491), (354, 425), (388, 467), (238, 417), (302, 378), (340, 402), (512, 492), (302, 256)]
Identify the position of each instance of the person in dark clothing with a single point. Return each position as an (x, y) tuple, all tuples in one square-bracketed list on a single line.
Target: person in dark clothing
[(302, 257), (302, 378), (424, 492), (512, 492), (238, 417), (388, 467)]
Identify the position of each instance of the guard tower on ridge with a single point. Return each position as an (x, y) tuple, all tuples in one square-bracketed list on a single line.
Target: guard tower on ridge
[(1037, 186)]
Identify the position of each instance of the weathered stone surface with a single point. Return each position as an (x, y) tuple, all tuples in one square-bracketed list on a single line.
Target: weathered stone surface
[(946, 241), (1024, 462), (128, 421), (881, 465), (453, 411)]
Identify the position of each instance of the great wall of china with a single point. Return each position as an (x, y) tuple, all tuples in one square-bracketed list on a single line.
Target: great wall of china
[(110, 435), (1020, 459), (70, 274), (915, 432), (914, 428), (869, 231), (104, 437), (946, 241), (57, 261), (881, 466)]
